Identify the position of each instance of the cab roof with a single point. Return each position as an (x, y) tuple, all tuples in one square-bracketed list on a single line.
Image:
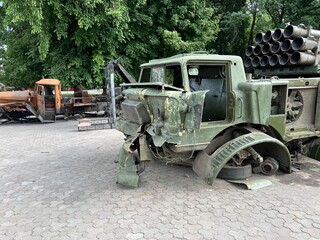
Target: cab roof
[(49, 81), (186, 57)]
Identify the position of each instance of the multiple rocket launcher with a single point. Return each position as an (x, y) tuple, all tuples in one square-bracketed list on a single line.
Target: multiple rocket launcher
[(291, 46)]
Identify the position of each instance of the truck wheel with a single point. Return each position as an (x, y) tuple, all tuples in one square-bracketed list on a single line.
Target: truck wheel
[(235, 173), (269, 166)]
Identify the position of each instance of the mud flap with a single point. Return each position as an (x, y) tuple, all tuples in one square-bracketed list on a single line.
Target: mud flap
[(127, 174), (208, 166)]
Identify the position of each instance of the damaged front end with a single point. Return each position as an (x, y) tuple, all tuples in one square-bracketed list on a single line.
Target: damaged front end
[(152, 120)]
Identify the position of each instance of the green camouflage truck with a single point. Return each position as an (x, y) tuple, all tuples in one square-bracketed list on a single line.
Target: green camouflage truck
[(202, 110)]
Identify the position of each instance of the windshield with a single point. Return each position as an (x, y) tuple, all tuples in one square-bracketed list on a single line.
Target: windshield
[(170, 75), (157, 74)]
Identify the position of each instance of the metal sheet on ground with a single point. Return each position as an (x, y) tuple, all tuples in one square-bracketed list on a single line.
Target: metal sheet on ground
[(253, 184)]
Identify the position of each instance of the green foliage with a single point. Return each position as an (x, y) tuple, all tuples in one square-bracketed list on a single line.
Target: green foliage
[(73, 40), (233, 23), (2, 44), (164, 28), (22, 64), (294, 11)]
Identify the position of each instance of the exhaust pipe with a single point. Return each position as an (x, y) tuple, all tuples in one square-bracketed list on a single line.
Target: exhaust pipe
[(256, 61), (301, 58), (303, 44), (259, 38), (268, 36), (264, 61), (286, 45), (285, 59), (293, 31), (274, 60), (248, 62), (266, 48), (276, 48), (249, 51), (278, 34), (257, 50)]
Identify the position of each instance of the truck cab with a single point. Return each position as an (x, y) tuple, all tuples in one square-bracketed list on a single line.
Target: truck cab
[(47, 99), (199, 109), (44, 102)]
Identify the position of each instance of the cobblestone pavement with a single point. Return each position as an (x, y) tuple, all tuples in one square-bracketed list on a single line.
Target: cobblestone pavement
[(57, 183)]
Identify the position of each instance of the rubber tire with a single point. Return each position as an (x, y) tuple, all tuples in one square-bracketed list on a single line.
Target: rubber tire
[(235, 173)]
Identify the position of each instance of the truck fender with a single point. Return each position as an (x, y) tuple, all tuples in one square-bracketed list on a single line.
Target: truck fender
[(208, 166), (127, 173)]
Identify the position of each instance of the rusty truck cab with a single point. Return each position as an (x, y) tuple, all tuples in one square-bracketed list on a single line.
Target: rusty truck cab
[(47, 101)]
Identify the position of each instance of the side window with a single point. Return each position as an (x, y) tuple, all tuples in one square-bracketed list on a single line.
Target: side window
[(40, 90), (157, 74), (203, 77), (174, 76), (145, 77), (49, 90), (212, 78), (170, 75)]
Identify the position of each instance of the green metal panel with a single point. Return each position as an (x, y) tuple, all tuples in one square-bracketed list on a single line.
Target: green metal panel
[(278, 122), (127, 173), (258, 101)]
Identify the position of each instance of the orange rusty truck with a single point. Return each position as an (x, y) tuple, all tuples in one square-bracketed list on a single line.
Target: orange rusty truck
[(45, 102)]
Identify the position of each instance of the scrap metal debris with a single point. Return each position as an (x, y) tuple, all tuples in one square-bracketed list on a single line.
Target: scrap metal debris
[(90, 124), (253, 184)]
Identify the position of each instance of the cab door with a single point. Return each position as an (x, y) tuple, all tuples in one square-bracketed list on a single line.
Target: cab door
[(40, 94)]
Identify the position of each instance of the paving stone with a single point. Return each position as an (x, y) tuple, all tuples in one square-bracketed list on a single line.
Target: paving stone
[(150, 233), (294, 227), (316, 225), (62, 185), (313, 232), (300, 235), (134, 236)]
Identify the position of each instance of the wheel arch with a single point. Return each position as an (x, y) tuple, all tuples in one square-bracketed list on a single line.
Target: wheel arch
[(211, 160), (226, 134)]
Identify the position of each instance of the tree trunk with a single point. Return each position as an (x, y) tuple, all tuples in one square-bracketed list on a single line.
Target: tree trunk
[(254, 18)]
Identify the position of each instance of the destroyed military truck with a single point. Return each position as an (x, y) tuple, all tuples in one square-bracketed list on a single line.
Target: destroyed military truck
[(202, 110), (44, 102)]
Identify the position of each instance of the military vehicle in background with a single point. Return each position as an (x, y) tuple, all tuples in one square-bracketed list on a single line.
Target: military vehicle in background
[(45, 103), (202, 110)]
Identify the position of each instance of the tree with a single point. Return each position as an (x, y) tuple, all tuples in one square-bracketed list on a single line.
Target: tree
[(162, 28), (233, 23), (2, 44), (21, 63), (294, 11), (75, 39)]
